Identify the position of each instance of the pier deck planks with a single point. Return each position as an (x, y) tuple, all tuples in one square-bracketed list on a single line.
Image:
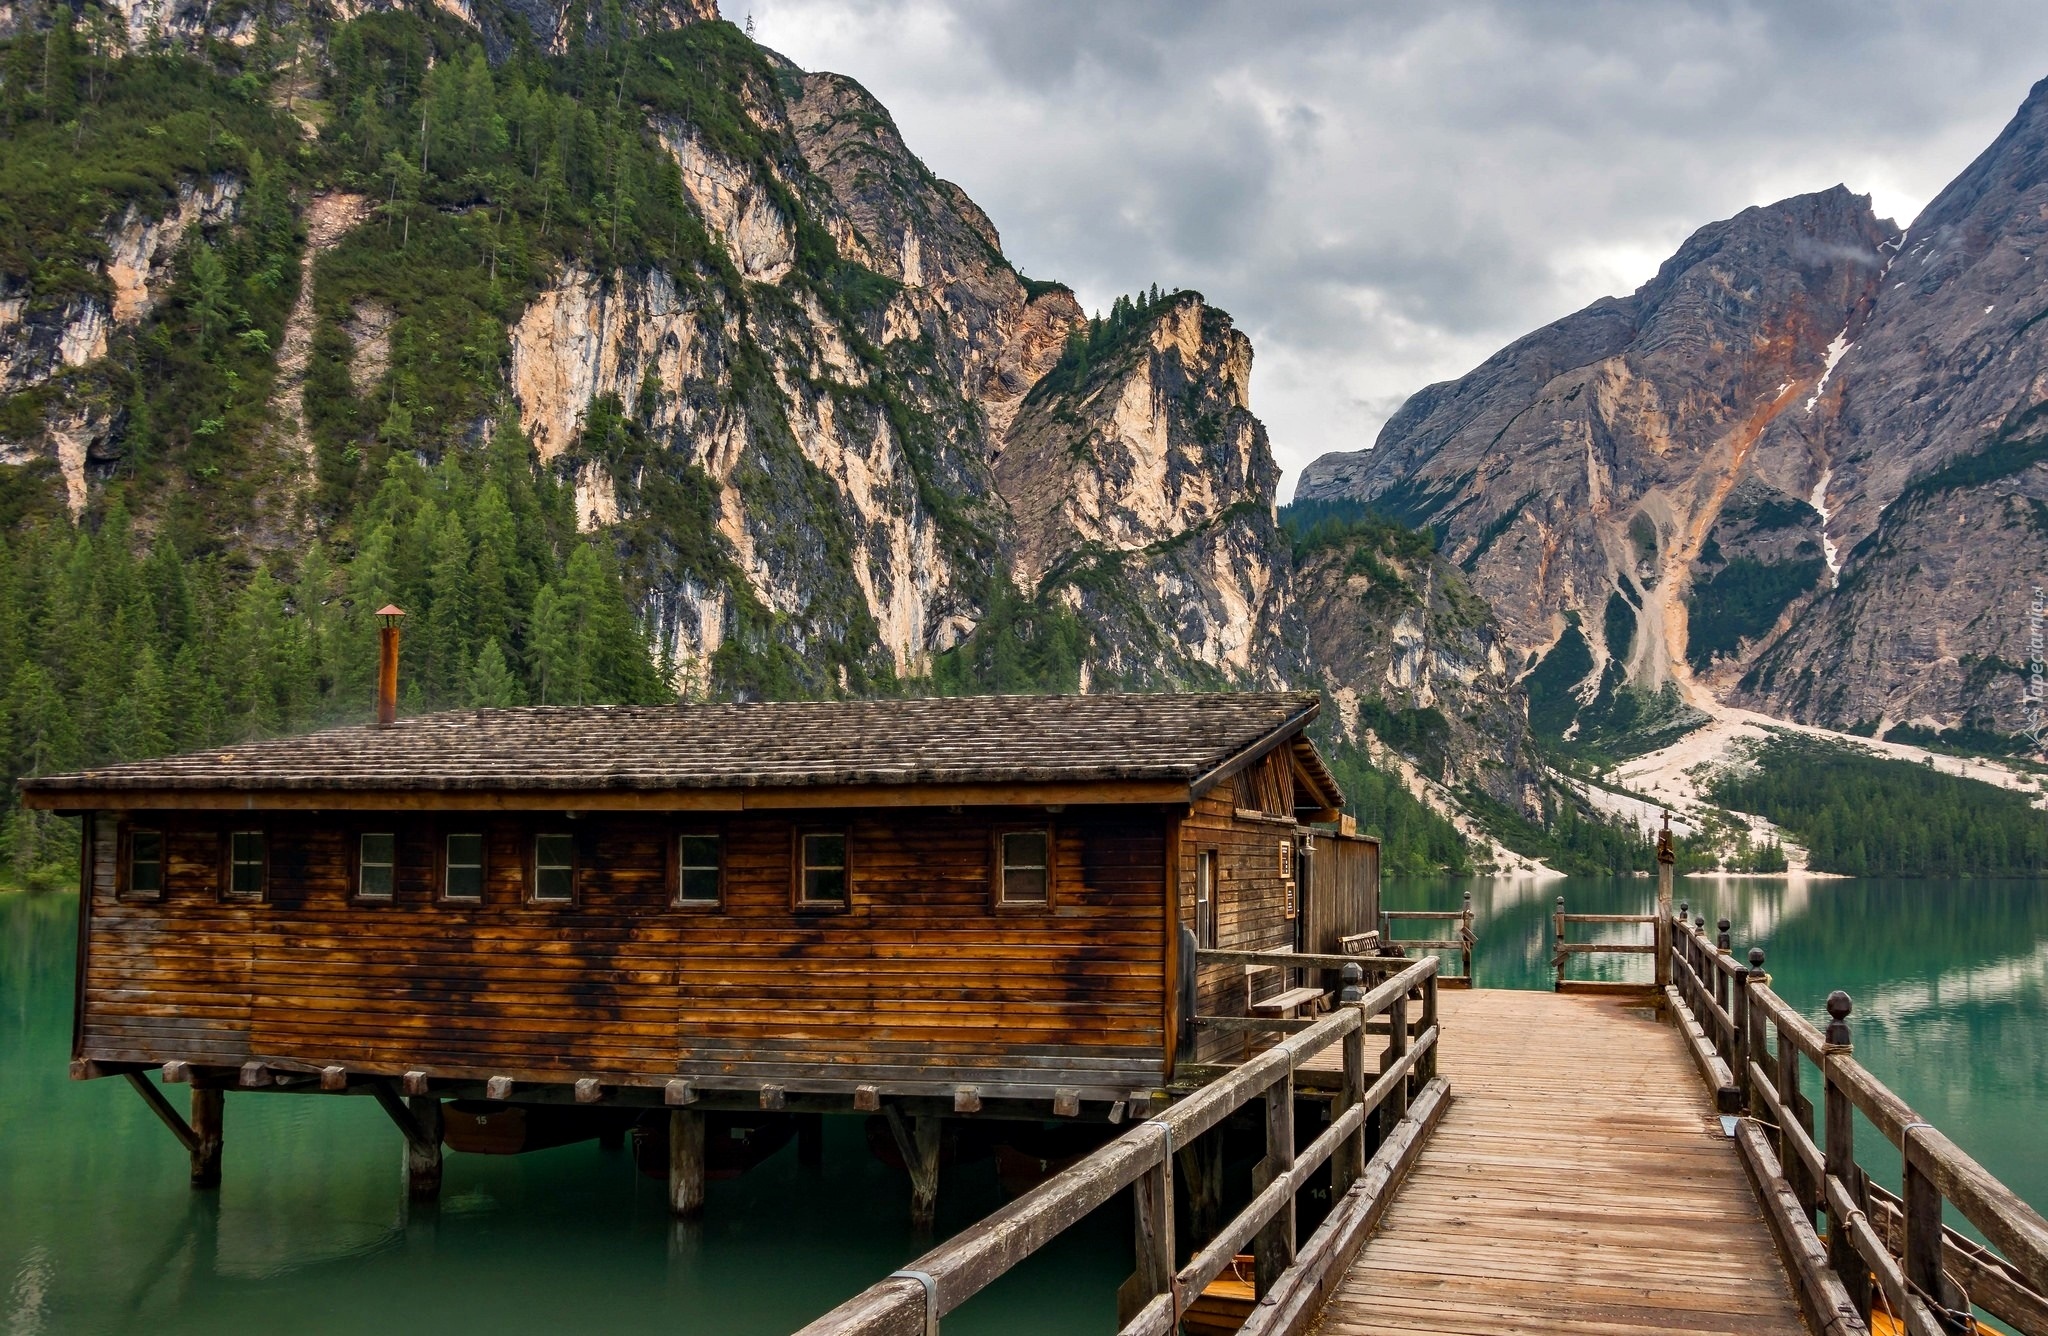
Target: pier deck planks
[(1580, 1183)]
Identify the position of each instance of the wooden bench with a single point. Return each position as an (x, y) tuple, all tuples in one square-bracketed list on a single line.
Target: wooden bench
[(1287, 1004)]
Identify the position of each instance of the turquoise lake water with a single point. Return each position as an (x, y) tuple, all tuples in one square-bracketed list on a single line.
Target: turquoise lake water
[(311, 1230)]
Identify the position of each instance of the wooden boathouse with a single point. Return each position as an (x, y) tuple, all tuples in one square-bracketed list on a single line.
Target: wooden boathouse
[(917, 909)]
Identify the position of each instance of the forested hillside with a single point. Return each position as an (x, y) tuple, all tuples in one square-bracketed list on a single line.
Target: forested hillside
[(627, 358)]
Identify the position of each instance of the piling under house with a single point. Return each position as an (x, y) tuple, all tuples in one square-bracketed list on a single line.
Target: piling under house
[(916, 909)]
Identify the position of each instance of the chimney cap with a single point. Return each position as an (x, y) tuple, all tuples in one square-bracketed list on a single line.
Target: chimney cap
[(391, 610)]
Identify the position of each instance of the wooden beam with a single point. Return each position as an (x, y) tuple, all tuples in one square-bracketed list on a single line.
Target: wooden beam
[(774, 1097), (414, 1083), (334, 1078), (177, 1073), (678, 1093), (498, 1088), (967, 1100), (161, 1107), (588, 1091), (1066, 1103), (254, 1075), (867, 1099)]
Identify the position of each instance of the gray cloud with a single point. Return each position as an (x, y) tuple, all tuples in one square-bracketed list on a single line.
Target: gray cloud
[(1384, 194)]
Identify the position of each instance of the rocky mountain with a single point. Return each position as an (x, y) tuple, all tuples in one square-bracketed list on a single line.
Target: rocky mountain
[(825, 432), (1800, 467)]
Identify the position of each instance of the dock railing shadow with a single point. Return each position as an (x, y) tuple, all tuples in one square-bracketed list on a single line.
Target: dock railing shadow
[(1882, 1252), (1406, 1093)]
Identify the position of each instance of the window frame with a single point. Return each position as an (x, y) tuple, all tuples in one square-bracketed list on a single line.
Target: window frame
[(998, 865), (124, 864), (1208, 930), (798, 867), (676, 868), (574, 868), (356, 864), (441, 866), (228, 893)]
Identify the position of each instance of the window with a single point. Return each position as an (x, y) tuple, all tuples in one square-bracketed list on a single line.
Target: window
[(1025, 877), (699, 869), (246, 865), (376, 866), (1205, 899), (145, 864), (554, 867), (821, 874), (463, 872)]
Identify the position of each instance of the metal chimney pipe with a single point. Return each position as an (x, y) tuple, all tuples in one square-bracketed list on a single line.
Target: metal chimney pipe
[(387, 664)]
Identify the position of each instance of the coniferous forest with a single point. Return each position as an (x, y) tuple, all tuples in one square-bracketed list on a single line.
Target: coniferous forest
[(1870, 816)]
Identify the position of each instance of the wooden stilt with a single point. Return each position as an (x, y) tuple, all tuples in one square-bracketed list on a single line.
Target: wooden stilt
[(685, 1162), (207, 1108), (810, 1139), (423, 1155), (919, 1146)]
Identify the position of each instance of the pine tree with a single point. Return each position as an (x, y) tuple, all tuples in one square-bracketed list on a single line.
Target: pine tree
[(491, 682)]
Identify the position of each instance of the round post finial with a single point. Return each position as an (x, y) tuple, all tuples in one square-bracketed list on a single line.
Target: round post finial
[(1722, 940), (1839, 1007), (1684, 910), (1700, 921), (1756, 957), (1354, 978)]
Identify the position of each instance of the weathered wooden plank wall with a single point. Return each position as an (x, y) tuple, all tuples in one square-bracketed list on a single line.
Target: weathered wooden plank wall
[(1251, 900), (922, 977)]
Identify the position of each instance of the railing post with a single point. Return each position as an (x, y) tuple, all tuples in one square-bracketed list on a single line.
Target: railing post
[(1557, 957), (1724, 987), (1152, 1223), (1738, 1057), (1426, 1069), (1274, 1247), (1397, 1048), (1755, 1041), (1349, 1159), (1847, 1263), (1796, 1107), (1920, 1207), (1665, 861), (1465, 938)]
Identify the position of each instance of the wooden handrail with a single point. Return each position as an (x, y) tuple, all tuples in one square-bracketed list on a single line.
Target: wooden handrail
[(915, 1298), (1879, 1243), (1462, 943), (1563, 950)]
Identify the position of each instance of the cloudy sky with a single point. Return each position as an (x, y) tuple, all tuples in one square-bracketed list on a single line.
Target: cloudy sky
[(1383, 192)]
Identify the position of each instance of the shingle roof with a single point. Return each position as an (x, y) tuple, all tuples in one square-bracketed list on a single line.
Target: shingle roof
[(938, 740)]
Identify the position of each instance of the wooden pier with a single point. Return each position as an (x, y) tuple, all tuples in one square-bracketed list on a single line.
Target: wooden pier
[(1580, 1182), (1601, 1160)]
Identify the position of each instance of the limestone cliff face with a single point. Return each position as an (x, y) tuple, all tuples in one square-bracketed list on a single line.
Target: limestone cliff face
[(1587, 469), (41, 341), (1144, 495)]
